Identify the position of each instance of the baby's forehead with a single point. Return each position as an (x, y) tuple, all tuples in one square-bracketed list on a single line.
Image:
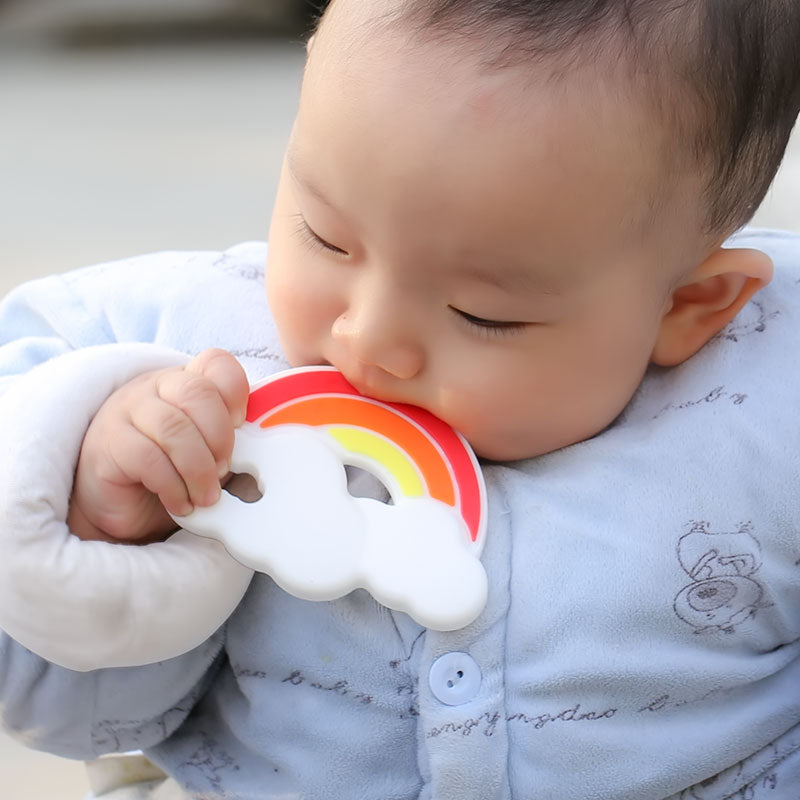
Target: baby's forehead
[(459, 79), (640, 63), (717, 82)]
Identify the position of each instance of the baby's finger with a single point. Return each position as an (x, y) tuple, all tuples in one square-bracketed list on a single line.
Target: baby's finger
[(201, 401), (178, 435), (228, 375), (142, 461)]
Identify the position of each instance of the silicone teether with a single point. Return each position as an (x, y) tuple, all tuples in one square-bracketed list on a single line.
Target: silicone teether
[(418, 554)]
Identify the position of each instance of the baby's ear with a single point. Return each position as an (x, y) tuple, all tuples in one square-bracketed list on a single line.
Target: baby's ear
[(707, 300)]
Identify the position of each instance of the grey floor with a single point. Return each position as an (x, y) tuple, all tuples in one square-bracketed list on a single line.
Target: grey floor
[(111, 148)]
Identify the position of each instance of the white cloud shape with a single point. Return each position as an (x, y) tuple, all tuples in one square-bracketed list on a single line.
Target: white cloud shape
[(319, 543)]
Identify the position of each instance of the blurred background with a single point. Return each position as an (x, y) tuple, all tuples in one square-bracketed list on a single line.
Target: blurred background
[(129, 126), (138, 125)]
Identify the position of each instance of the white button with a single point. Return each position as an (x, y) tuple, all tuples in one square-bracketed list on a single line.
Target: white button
[(455, 678)]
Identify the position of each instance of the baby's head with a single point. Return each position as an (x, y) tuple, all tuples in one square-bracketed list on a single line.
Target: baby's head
[(503, 211)]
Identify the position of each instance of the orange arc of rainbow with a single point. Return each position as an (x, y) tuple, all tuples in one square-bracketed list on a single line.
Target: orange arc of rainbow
[(324, 411)]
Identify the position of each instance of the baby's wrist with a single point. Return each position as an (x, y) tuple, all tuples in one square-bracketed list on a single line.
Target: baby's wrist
[(81, 526), (157, 527)]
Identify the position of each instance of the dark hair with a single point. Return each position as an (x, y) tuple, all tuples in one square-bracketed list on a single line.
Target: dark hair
[(723, 74)]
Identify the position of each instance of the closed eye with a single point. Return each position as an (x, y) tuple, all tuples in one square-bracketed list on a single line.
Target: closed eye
[(310, 238), (490, 325)]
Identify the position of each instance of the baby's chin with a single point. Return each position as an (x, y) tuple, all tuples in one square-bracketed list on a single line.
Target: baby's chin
[(504, 454), (517, 446)]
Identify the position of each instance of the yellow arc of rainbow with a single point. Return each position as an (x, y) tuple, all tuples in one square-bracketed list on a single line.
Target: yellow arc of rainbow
[(382, 450)]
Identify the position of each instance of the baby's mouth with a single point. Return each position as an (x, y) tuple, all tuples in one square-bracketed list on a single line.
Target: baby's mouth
[(374, 382)]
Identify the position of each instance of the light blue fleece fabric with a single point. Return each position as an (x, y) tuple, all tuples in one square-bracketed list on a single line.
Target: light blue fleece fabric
[(642, 634)]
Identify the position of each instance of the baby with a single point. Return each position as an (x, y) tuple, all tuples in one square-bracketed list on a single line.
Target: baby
[(511, 214)]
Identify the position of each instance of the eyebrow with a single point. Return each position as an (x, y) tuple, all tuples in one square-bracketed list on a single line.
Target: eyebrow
[(301, 177), (514, 278), (510, 278)]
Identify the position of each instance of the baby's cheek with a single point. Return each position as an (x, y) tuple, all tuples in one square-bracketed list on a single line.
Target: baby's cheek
[(470, 409), (304, 326), (503, 423)]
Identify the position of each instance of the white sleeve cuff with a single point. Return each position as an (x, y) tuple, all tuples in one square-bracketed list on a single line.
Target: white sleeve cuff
[(88, 605)]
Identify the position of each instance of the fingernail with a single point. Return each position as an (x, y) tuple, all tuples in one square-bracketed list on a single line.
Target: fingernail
[(223, 468), (184, 510), (212, 495)]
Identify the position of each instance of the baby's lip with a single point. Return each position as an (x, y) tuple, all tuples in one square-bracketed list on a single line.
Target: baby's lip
[(373, 382), (365, 385)]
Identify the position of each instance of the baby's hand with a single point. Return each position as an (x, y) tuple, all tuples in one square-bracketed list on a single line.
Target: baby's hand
[(160, 443)]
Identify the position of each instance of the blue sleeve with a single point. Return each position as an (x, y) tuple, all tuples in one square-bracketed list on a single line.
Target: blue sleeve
[(39, 321), (106, 303), (85, 714)]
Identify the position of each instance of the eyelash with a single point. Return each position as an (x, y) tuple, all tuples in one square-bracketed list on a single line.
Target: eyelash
[(486, 327), (489, 327), (313, 240)]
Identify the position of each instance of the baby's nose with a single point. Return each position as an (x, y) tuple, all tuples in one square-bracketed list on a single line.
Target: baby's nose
[(379, 337)]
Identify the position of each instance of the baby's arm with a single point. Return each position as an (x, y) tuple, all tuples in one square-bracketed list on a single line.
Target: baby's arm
[(162, 442), (66, 345)]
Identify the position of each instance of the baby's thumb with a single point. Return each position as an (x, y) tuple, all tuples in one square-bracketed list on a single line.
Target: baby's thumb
[(228, 375)]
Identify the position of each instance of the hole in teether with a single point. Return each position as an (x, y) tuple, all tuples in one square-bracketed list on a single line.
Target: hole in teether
[(244, 486), (361, 483)]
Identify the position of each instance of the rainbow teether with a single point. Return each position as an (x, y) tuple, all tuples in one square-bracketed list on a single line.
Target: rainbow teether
[(418, 554)]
